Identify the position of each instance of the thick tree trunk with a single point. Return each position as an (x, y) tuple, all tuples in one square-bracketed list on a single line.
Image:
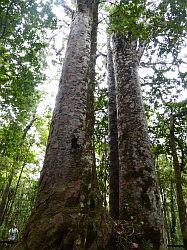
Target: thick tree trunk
[(113, 138), (178, 180), (138, 195), (68, 213)]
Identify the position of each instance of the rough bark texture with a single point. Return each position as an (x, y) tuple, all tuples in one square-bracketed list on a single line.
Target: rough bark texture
[(68, 213), (139, 200), (91, 88), (178, 180), (113, 138)]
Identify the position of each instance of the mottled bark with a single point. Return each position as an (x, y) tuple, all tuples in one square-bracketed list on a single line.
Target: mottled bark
[(90, 121), (113, 137), (178, 180), (68, 213), (138, 195)]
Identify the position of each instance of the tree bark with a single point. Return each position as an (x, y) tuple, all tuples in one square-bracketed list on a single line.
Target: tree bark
[(178, 180), (113, 138), (68, 212), (90, 120), (173, 215), (138, 194)]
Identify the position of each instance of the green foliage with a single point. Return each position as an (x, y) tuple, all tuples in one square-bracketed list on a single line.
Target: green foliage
[(159, 127), (101, 141), (22, 42), (20, 172), (128, 19), (148, 21), (24, 29)]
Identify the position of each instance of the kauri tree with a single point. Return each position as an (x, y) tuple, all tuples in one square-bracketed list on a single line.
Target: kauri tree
[(68, 212)]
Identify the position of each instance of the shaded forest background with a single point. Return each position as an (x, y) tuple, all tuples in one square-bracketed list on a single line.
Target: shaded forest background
[(30, 49)]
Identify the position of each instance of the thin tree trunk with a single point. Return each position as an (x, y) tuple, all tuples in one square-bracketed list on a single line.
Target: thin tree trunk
[(113, 138), (138, 194), (178, 180), (166, 233), (68, 211), (173, 215), (11, 201), (6, 196)]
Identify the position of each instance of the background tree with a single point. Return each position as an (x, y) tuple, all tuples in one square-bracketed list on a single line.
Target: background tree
[(113, 137), (178, 177)]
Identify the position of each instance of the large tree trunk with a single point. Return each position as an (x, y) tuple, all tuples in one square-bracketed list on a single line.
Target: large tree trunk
[(68, 212), (113, 137), (139, 199), (178, 180)]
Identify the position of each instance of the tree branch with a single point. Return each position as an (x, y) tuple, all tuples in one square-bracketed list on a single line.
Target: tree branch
[(67, 9)]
